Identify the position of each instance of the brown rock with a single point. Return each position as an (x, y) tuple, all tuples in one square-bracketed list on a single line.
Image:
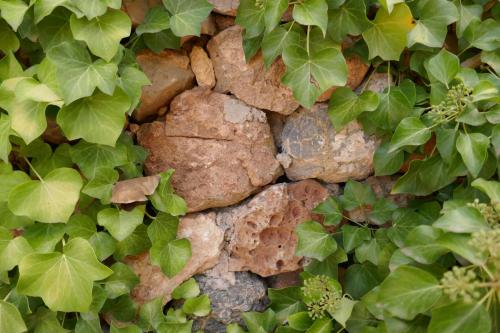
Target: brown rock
[(169, 73), (222, 149), (202, 67), (285, 280), (134, 190), (53, 133), (356, 70), (226, 7), (137, 9), (311, 148), (250, 82), (206, 242), (263, 239), (223, 22), (377, 82)]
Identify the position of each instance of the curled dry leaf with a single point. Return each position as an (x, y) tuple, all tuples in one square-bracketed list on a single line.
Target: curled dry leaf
[(134, 190)]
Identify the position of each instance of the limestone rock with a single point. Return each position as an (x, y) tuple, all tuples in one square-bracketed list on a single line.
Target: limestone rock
[(169, 73), (262, 238), (202, 67), (206, 242), (356, 70), (230, 299), (221, 149), (378, 82), (250, 82), (311, 148), (226, 7)]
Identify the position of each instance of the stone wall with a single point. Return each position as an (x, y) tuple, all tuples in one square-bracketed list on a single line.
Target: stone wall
[(249, 161)]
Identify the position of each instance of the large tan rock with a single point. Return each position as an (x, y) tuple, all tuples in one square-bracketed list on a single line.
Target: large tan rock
[(262, 239), (202, 67), (206, 243), (311, 148), (169, 73), (250, 82), (226, 7), (222, 149)]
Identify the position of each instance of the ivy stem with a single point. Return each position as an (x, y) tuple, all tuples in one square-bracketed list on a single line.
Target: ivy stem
[(149, 215), (8, 295), (34, 170), (307, 39)]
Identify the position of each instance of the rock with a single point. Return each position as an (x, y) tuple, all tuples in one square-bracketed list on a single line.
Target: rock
[(230, 299), (169, 73), (356, 69), (226, 7), (221, 149), (223, 22), (206, 243), (261, 237), (313, 149), (378, 82), (137, 9), (250, 82), (202, 67), (285, 280)]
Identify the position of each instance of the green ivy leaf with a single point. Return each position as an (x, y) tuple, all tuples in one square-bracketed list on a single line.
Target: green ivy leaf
[(44, 237), (165, 200), (120, 223), (312, 12), (163, 229), (5, 146), (13, 12), (408, 291), (491, 188), (8, 39), (462, 220), (443, 67), (279, 39), (121, 282), (467, 14), (94, 8), (460, 244), (321, 325), (187, 15), (92, 157), (386, 163), (52, 199), (188, 289), (314, 241), (55, 29), (172, 256), (483, 34), (78, 75), (473, 147), (344, 311), (411, 131), (311, 73), (12, 250), (273, 12), (368, 251), (260, 322), (349, 19), (96, 119), (80, 225), (151, 314), (421, 245), (286, 301), (345, 105), (332, 211), (57, 277), (388, 36), (102, 34), (460, 318), (157, 19), (11, 320), (360, 279), (198, 306), (492, 58), (162, 40), (251, 17), (104, 245), (101, 186), (352, 236), (389, 4), (433, 21), (357, 195)]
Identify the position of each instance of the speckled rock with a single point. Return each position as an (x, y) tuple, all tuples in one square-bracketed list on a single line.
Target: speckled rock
[(261, 237), (250, 82), (356, 70), (169, 73), (202, 67), (311, 148), (230, 299), (226, 7), (206, 244), (221, 149), (377, 82)]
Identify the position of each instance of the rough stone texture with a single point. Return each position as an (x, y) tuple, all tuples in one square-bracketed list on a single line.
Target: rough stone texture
[(285, 280), (202, 67), (311, 148), (356, 69), (250, 82), (230, 299), (262, 238), (206, 243), (137, 9), (223, 22), (226, 7), (169, 73), (378, 82), (221, 149)]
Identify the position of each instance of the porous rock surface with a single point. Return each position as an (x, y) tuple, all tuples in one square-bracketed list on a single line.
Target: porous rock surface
[(262, 238), (248, 81), (169, 73), (206, 240), (226, 7), (312, 148), (221, 149)]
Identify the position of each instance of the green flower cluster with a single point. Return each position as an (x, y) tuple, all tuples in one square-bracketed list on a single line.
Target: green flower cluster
[(322, 295), (488, 242), (259, 4), (460, 283), (456, 102), (489, 212)]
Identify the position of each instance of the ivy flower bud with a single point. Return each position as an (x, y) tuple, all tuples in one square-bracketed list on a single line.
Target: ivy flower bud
[(460, 283), (322, 295)]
